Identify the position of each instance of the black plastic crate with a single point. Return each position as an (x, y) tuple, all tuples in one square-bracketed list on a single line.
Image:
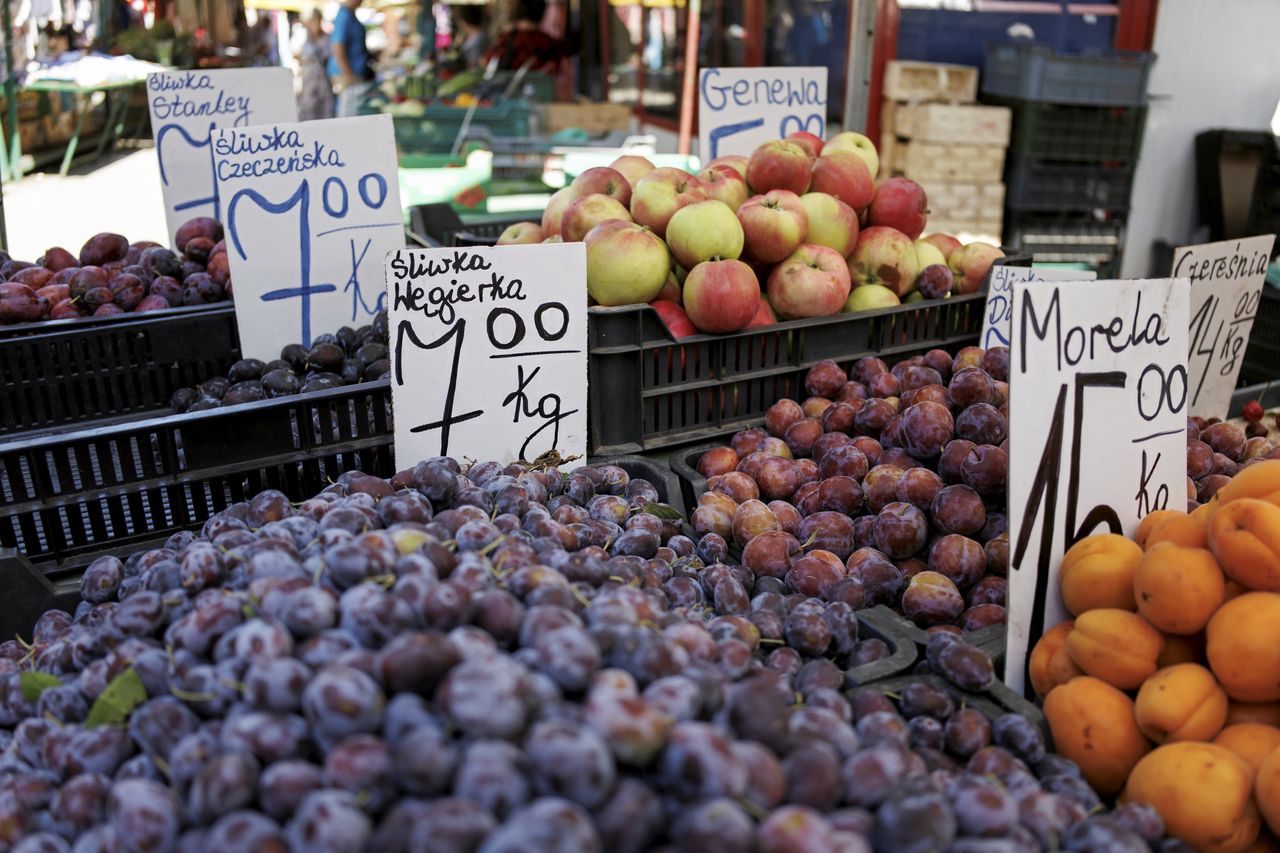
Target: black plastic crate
[(159, 506), (71, 372), (995, 701), (665, 393), (1067, 239), (1073, 132), (1031, 71), (1237, 188), (438, 225), (1262, 355), (904, 651), (1035, 184)]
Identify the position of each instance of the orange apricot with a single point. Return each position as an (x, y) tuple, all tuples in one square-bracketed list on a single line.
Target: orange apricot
[(1253, 742), (1092, 723), (1182, 702), (1050, 663), (1178, 589), (1244, 535), (1116, 646), (1097, 572), (1243, 647)]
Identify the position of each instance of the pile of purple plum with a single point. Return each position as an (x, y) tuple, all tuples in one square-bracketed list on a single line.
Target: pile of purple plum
[(332, 361), (495, 659), (885, 486), (113, 276)]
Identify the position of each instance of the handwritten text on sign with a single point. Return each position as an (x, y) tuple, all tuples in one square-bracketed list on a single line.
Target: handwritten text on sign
[(1098, 409), (740, 108), (186, 106), (311, 211), (489, 352), (995, 322), (1226, 289)]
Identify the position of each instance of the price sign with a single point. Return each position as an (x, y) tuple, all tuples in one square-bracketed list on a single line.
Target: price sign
[(999, 310), (311, 210), (186, 107), (489, 352), (1098, 406), (739, 108), (1226, 287)]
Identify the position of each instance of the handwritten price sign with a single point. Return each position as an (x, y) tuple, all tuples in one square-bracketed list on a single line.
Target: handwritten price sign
[(1226, 287), (186, 107), (489, 352), (999, 311), (739, 108), (1098, 408), (311, 211)]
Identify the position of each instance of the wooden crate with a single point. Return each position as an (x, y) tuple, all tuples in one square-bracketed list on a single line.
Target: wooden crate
[(961, 123), (944, 161), (965, 200), (930, 81), (593, 118)]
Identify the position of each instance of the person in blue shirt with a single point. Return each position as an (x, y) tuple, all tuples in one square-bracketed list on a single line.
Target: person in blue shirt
[(349, 60)]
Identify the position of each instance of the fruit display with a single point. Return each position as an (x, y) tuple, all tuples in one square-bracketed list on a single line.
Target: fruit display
[(1164, 686), (799, 229), (113, 276), (886, 486), (497, 659), (334, 360)]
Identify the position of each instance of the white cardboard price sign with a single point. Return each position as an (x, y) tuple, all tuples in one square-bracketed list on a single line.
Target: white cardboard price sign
[(995, 320), (739, 108), (489, 352), (1098, 397), (1226, 287), (186, 107), (312, 209)]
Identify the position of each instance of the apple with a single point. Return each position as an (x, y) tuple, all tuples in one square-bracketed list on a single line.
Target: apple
[(970, 264), (884, 256), (832, 223), (520, 233), (808, 141), (671, 289), (855, 143), (626, 263), (944, 243), (812, 282), (553, 213), (779, 165), (605, 181), (764, 315), (928, 254), (554, 238), (900, 203), (632, 167), (721, 296), (723, 183), (589, 211), (737, 162), (674, 318), (660, 194), (773, 225), (844, 176), (703, 231), (869, 297)]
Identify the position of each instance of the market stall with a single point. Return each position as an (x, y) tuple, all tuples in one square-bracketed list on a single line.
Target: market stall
[(761, 501)]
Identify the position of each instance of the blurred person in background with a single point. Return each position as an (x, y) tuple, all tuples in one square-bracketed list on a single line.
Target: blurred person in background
[(316, 98), (349, 64), (524, 42), (473, 41)]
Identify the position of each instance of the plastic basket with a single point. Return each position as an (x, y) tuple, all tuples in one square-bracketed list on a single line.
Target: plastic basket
[(72, 371), (129, 514), (1036, 72), (438, 225), (437, 129), (1057, 239), (665, 393), (995, 701), (1070, 132), (1050, 185), (459, 182), (1262, 355)]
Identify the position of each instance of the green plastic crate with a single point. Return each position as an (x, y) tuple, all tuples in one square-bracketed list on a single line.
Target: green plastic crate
[(461, 182), (436, 129)]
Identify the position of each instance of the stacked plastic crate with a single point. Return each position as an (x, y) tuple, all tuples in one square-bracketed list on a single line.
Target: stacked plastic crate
[(936, 135), (1077, 133)]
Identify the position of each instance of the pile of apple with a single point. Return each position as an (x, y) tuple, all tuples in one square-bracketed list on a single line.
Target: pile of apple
[(798, 229)]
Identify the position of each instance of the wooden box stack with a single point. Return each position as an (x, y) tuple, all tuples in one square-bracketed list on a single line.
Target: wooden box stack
[(934, 133)]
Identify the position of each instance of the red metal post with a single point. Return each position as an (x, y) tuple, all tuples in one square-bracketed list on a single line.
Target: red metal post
[(689, 89), (1136, 26)]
